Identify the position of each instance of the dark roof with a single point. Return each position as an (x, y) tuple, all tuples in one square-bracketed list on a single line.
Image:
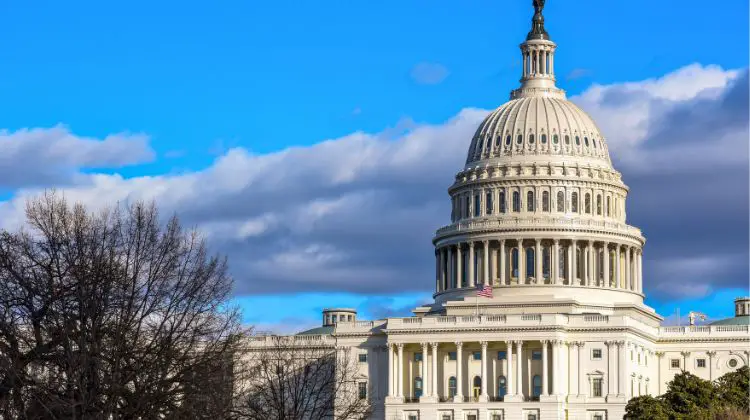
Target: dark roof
[(737, 320), (317, 330)]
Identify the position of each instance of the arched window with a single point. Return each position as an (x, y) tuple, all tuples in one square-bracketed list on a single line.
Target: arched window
[(608, 208), (544, 139), (567, 139), (467, 206), (537, 381), (574, 202), (562, 258), (598, 205), (586, 141), (514, 262), (502, 201), (519, 139), (578, 141), (530, 201), (488, 203), (507, 140), (417, 387), (531, 139), (545, 262), (530, 262), (560, 201), (502, 386), (587, 203), (555, 139), (545, 201), (516, 201), (477, 205), (452, 386), (593, 142)]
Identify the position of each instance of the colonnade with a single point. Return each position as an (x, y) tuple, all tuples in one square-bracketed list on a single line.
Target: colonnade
[(561, 373), (538, 261), (539, 61)]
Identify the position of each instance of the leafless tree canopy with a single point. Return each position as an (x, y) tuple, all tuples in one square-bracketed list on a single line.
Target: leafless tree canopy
[(112, 315), (285, 380)]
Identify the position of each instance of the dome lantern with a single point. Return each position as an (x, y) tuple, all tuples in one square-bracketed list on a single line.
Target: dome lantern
[(538, 58)]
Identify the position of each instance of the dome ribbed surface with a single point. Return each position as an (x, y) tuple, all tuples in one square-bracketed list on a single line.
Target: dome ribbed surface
[(537, 126)]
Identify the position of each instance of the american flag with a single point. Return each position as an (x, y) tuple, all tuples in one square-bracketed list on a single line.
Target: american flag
[(484, 290)]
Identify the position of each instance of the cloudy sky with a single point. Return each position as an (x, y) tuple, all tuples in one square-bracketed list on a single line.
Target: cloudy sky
[(313, 142)]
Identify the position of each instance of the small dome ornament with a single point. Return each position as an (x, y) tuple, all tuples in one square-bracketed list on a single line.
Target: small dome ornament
[(537, 23)]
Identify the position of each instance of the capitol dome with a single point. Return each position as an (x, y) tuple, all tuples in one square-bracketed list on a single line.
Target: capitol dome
[(538, 212)]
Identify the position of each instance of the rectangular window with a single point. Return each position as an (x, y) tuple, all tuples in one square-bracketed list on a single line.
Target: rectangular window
[(451, 355), (598, 417), (477, 355), (417, 357), (488, 203), (536, 355), (596, 353), (497, 417), (477, 205), (674, 363), (531, 416), (502, 355), (597, 387), (446, 417), (413, 417), (471, 417), (701, 363), (363, 357), (362, 390), (502, 201)]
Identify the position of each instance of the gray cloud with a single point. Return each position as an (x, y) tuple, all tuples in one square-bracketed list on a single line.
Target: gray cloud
[(54, 156), (429, 73), (357, 213)]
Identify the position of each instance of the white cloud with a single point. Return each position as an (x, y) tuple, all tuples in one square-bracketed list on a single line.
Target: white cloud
[(356, 213)]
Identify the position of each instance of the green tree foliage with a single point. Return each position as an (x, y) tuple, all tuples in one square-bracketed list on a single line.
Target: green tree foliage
[(693, 398)]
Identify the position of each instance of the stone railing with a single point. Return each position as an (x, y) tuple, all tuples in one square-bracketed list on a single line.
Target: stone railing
[(290, 340), (522, 222), (704, 330), (358, 327), (510, 320)]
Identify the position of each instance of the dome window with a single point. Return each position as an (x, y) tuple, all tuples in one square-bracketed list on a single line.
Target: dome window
[(586, 141), (560, 202), (587, 203), (574, 202), (516, 201), (531, 139), (477, 205), (578, 141), (598, 205), (567, 139), (519, 139), (608, 208), (593, 143), (545, 201), (544, 139), (530, 201), (555, 139), (488, 203), (507, 140), (502, 201)]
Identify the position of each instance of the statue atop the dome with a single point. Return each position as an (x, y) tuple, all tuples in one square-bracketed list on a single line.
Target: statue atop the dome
[(537, 23)]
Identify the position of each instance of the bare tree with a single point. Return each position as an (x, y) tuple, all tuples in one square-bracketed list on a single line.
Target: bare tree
[(299, 378), (112, 315)]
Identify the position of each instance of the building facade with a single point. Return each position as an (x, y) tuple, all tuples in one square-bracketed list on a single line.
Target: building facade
[(539, 220)]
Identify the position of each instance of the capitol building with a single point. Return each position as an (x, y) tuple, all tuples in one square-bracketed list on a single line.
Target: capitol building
[(538, 309)]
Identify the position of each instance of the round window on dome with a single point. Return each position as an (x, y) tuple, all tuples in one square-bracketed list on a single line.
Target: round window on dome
[(567, 139), (555, 139), (507, 140), (519, 139), (531, 139), (578, 141), (586, 141), (732, 363), (544, 139)]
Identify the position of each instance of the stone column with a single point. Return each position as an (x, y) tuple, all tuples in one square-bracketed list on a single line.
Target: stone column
[(580, 345), (519, 367), (711, 355), (605, 249), (503, 265), (611, 368), (545, 369), (521, 263), (437, 272), (400, 373), (570, 264), (486, 262), (391, 374), (424, 371), (509, 357), (574, 263), (555, 263), (639, 283), (434, 390), (484, 397), (441, 273), (459, 265), (592, 274), (493, 266), (628, 269), (449, 268), (572, 368), (538, 257), (556, 371), (459, 373), (622, 369), (618, 279), (471, 264), (525, 65)]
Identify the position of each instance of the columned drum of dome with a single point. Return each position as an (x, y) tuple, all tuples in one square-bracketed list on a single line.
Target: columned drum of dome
[(538, 208)]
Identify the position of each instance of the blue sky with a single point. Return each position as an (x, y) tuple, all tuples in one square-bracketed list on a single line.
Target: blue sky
[(192, 88)]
